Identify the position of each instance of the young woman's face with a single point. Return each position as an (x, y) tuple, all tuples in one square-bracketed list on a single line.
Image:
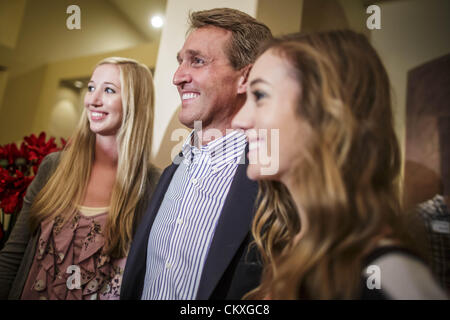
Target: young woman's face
[(103, 100), (274, 129)]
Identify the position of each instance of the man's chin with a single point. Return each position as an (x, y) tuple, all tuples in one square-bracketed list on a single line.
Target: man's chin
[(185, 120)]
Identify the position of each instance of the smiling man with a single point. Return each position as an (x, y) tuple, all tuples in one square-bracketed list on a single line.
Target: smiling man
[(211, 90), (193, 242)]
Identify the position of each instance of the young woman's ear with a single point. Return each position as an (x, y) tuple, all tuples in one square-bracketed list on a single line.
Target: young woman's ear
[(242, 84)]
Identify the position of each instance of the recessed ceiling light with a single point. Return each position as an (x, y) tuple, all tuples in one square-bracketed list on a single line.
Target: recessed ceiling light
[(157, 21), (78, 84)]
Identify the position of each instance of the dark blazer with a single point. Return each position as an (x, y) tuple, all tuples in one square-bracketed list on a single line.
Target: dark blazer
[(232, 268)]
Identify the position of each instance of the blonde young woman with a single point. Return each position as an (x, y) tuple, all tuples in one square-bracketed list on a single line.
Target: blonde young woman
[(80, 212), (327, 223)]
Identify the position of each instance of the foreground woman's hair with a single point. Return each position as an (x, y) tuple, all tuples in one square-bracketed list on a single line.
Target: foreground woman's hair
[(133, 140), (348, 178)]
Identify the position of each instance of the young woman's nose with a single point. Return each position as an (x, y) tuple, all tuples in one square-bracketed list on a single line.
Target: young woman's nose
[(244, 118), (94, 98)]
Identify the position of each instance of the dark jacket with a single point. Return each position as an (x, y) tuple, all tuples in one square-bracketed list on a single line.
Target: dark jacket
[(232, 267)]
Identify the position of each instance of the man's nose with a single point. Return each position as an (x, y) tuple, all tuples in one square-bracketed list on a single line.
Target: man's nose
[(182, 75)]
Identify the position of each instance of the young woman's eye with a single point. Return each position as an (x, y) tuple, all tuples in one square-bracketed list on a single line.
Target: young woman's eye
[(109, 90), (90, 88), (258, 95)]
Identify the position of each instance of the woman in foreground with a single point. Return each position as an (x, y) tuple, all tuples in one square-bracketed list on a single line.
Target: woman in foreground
[(328, 224)]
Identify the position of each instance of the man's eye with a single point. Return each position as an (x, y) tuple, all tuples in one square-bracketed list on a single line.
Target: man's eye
[(109, 90), (197, 61)]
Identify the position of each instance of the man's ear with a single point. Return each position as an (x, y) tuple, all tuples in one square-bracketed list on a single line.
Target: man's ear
[(242, 84)]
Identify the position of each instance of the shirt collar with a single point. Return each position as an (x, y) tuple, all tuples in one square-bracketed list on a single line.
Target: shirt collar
[(219, 151)]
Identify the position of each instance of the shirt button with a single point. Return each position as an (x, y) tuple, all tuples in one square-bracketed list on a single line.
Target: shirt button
[(194, 181), (168, 265), (179, 221)]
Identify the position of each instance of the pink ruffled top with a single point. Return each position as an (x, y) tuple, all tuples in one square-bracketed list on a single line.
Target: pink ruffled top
[(69, 263)]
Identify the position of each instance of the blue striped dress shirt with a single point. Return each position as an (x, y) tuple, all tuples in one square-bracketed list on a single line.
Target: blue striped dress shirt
[(185, 223)]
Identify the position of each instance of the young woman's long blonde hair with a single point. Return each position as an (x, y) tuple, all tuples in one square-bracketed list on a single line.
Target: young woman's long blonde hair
[(347, 180), (66, 187)]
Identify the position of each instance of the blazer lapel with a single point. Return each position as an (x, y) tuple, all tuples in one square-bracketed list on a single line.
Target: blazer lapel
[(232, 228)]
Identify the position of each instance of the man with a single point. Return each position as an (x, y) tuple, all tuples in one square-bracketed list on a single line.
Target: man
[(193, 242)]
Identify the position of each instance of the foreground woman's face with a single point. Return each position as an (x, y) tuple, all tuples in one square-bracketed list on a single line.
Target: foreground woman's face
[(274, 129), (103, 100)]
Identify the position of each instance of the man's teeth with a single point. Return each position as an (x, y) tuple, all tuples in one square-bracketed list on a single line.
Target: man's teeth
[(189, 95)]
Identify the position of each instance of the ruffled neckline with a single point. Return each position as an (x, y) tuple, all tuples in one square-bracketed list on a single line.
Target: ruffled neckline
[(78, 243)]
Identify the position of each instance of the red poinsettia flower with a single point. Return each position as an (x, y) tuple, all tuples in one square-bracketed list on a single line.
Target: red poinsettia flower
[(12, 158), (38, 148), (13, 189), (4, 179), (15, 170)]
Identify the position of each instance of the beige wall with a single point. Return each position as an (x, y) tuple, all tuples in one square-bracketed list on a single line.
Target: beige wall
[(18, 111), (65, 113), (322, 15), (412, 33), (280, 16), (44, 37), (356, 16), (3, 83), (11, 15)]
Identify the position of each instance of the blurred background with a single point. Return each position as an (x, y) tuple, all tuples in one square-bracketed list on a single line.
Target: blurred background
[(44, 66)]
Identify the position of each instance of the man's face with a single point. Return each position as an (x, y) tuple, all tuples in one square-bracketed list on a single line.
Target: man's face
[(208, 85)]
